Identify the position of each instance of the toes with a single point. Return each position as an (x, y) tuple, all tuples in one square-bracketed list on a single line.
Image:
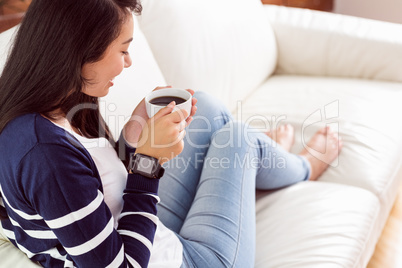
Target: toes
[(340, 142), (335, 140), (269, 134), (288, 127), (328, 131), (333, 135), (324, 130)]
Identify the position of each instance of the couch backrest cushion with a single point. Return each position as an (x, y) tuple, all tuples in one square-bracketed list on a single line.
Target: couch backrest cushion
[(318, 43), (224, 47), (6, 39)]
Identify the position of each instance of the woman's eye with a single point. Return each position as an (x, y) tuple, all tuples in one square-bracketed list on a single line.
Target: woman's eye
[(125, 52)]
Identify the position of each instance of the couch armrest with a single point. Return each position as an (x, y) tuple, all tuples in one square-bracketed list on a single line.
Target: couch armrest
[(327, 44)]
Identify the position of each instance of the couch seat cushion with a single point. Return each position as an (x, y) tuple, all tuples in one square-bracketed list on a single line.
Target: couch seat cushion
[(366, 114), (315, 224), (10, 256)]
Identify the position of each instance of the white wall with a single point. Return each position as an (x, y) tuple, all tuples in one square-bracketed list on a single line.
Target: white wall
[(386, 10)]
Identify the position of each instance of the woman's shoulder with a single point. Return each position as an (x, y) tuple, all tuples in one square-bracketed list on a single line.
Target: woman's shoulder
[(28, 131)]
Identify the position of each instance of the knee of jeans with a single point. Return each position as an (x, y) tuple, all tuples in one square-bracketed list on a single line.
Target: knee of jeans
[(232, 134), (209, 106), (211, 113)]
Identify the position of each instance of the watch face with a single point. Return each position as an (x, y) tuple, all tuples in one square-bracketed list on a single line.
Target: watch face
[(145, 165)]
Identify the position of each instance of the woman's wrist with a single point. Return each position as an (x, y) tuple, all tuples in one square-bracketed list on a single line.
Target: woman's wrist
[(132, 132)]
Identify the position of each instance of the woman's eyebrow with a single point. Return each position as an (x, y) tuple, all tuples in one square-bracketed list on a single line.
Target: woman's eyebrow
[(128, 41)]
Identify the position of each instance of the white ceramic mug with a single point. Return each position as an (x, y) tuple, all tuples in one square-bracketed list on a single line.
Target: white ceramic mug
[(152, 109)]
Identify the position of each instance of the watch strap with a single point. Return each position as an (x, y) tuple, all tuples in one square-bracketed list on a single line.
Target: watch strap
[(145, 165)]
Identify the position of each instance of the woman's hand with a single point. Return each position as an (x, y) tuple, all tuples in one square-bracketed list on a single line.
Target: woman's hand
[(139, 118), (193, 107), (162, 136)]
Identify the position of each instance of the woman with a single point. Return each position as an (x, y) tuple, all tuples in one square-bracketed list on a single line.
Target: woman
[(64, 204)]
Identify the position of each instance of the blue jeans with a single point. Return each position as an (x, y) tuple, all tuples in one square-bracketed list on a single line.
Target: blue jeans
[(208, 191)]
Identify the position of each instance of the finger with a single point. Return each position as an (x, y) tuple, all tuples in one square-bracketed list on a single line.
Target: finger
[(157, 88), (182, 125), (193, 110), (193, 103), (189, 120), (181, 135), (191, 91), (165, 111), (178, 115)]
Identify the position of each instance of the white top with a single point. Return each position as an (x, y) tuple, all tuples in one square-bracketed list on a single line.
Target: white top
[(167, 251)]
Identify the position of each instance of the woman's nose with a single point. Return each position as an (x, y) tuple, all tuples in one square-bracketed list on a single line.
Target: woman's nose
[(127, 61)]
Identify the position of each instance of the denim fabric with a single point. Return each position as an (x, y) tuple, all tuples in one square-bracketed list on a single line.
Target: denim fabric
[(208, 191)]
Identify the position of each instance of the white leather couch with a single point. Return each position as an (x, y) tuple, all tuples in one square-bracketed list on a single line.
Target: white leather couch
[(272, 65)]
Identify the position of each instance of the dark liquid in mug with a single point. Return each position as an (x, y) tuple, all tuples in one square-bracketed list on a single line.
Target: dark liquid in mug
[(165, 100)]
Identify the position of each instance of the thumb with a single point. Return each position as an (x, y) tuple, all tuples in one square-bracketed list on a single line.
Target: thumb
[(165, 111)]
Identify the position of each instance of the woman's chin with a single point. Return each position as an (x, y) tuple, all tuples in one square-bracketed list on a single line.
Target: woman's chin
[(98, 95)]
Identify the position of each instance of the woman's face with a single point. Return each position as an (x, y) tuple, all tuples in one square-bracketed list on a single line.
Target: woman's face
[(101, 74)]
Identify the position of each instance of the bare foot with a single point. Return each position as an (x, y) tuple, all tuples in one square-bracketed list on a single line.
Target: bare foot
[(283, 135), (321, 151)]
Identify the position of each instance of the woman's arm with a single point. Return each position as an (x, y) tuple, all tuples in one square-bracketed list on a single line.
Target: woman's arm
[(56, 206), (63, 187)]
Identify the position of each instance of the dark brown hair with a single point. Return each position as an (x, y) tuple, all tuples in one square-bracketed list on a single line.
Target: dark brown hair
[(43, 71)]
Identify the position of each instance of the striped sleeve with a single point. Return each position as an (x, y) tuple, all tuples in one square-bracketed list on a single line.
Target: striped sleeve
[(66, 193), (124, 150)]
